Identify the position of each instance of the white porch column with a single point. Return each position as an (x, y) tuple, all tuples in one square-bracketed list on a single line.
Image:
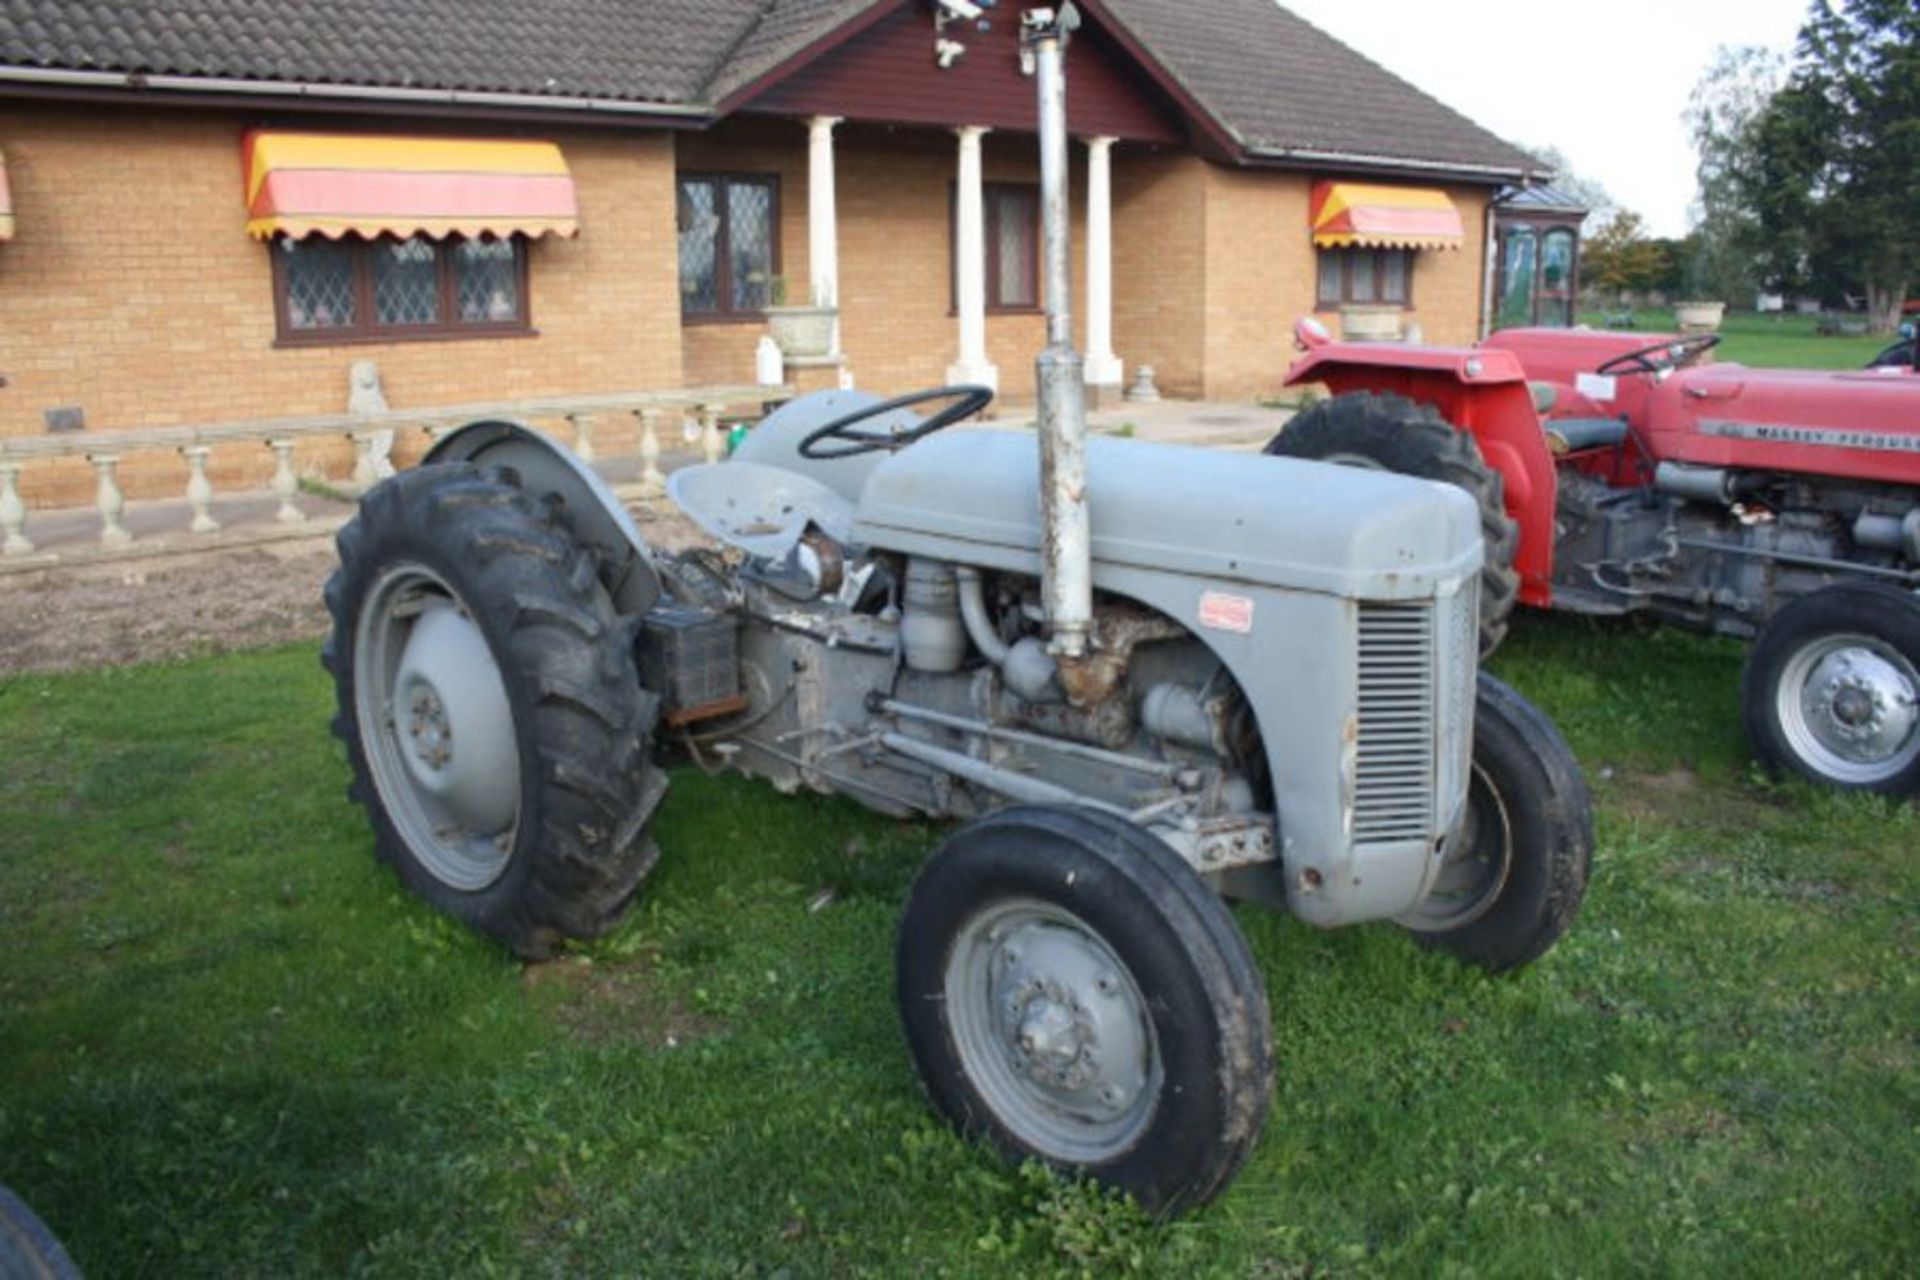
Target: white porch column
[(1103, 366), (970, 267), (823, 244)]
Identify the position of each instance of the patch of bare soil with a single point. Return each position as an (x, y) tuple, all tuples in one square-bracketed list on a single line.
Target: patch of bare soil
[(146, 611), (102, 615), (600, 1005)]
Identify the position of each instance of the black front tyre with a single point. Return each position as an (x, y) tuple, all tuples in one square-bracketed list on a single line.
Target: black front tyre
[(28, 1251), (489, 703), (1392, 433), (1072, 992), (1831, 689), (1516, 869)]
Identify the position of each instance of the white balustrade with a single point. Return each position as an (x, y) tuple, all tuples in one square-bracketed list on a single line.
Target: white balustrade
[(366, 467), (582, 424), (13, 513), (196, 445), (199, 489), (651, 481), (285, 484), (110, 501)]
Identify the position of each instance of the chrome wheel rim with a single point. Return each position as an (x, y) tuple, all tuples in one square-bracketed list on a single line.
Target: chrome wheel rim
[(1475, 865), (436, 727), (1052, 1031), (1849, 706)]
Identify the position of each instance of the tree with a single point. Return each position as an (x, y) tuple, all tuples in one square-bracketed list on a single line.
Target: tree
[(1719, 260), (1588, 191), (1832, 173), (1620, 257)]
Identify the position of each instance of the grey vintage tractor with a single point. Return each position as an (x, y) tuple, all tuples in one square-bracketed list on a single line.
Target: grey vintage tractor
[(1143, 678)]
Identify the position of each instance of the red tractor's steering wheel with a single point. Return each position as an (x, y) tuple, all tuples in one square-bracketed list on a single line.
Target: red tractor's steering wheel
[(838, 439), (1661, 356)]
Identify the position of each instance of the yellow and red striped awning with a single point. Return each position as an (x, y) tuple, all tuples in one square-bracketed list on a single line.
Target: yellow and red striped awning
[(1383, 217), (6, 201), (307, 184)]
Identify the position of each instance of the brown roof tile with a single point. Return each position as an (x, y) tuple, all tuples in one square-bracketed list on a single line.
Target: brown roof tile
[(1276, 84), (1281, 85)]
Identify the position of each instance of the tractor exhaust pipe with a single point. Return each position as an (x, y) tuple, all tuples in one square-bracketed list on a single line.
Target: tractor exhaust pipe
[(1066, 568)]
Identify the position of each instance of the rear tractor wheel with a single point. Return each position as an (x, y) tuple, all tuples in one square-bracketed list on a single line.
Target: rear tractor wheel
[(1073, 992), (1383, 432), (495, 726), (1831, 690)]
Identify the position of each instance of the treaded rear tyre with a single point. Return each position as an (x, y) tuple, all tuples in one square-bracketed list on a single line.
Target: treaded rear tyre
[(1511, 884), (1791, 699), (1392, 433), (575, 852), (1128, 950)]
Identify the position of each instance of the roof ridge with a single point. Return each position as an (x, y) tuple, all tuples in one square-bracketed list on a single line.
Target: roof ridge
[(712, 70)]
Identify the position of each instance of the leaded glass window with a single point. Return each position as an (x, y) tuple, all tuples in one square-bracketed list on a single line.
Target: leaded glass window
[(487, 275), (1382, 276), (388, 290), (319, 286), (729, 233), (406, 283), (1010, 225)]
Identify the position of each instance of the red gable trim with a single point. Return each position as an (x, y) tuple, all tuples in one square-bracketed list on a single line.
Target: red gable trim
[(889, 76), (805, 56), (1110, 34)]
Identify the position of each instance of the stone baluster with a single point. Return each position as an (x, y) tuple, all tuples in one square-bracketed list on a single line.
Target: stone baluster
[(651, 481), (366, 469), (13, 513), (284, 483), (709, 433), (582, 424), (199, 489), (110, 501)]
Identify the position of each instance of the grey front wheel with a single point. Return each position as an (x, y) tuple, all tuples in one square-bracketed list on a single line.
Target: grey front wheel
[(1072, 992)]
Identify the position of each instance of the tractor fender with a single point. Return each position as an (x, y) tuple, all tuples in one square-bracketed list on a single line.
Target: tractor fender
[(1481, 391), (555, 476)]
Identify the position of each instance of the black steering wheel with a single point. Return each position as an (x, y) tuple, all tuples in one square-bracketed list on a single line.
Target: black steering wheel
[(838, 439), (1678, 352)]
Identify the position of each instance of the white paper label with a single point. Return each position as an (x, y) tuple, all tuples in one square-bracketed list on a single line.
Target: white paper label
[(1222, 612), (1594, 386)]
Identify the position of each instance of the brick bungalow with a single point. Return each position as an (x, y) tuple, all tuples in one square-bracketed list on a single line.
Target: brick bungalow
[(210, 209)]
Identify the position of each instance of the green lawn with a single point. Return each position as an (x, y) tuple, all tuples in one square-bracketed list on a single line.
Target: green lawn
[(1771, 341), (229, 1044)]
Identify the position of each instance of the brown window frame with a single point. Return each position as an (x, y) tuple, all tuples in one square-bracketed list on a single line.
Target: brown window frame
[(1346, 257), (367, 329), (989, 231), (725, 312)]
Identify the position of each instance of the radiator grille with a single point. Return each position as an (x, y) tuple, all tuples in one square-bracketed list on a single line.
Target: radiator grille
[(1394, 782)]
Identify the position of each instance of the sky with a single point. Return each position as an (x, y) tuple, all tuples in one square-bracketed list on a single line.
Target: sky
[(1603, 80)]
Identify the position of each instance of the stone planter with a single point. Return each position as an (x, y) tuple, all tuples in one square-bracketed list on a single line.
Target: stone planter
[(1698, 317), (802, 331), (1370, 324)]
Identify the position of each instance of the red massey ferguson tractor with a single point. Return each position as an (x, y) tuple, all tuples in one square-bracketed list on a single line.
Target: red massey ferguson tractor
[(1619, 474)]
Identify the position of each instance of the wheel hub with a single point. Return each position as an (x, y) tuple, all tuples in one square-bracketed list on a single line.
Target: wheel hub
[(437, 727), (1860, 705), (1056, 1034), (430, 735)]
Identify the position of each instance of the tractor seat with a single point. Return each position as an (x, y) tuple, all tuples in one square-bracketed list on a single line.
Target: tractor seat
[(1571, 435), (1545, 396)]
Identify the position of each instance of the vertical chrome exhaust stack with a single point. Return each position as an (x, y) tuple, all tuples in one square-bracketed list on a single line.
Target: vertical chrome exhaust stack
[(1065, 551)]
